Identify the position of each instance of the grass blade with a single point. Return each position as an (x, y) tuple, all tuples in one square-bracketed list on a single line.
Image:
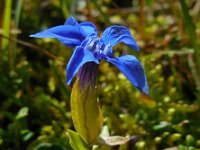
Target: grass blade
[(64, 7), (12, 49), (192, 37), (105, 17), (6, 28), (61, 83), (18, 12)]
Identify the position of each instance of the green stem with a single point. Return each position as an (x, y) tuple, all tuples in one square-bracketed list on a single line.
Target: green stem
[(13, 45), (6, 28)]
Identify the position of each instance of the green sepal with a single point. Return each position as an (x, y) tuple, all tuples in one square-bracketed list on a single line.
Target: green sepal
[(75, 141), (86, 113)]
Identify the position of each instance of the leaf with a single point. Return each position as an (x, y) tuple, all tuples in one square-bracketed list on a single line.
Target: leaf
[(48, 146), (75, 141), (26, 135), (105, 139), (113, 140), (160, 126), (86, 113), (23, 112)]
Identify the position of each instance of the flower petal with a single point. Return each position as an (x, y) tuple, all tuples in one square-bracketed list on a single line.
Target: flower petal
[(78, 59), (116, 34), (71, 21), (88, 28), (67, 34), (132, 69)]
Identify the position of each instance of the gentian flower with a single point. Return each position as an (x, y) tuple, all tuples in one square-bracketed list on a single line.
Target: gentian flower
[(90, 49)]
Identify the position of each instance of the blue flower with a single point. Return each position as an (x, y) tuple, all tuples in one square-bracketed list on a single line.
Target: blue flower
[(90, 49)]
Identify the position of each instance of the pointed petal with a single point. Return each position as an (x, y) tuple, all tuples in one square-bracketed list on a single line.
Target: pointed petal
[(71, 21), (132, 69), (66, 34), (116, 34), (88, 28), (78, 59)]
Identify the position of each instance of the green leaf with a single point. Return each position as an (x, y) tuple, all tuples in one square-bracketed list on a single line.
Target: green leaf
[(48, 146), (75, 141), (26, 135), (86, 113), (23, 112), (160, 126), (190, 140)]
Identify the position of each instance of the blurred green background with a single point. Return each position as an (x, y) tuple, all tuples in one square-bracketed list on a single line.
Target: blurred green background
[(34, 99)]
